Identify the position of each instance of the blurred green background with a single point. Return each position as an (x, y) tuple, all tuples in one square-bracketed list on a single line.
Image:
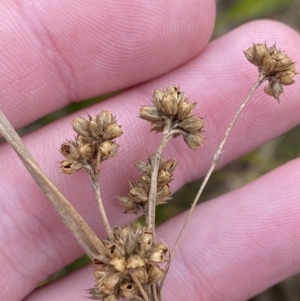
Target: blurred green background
[(230, 14)]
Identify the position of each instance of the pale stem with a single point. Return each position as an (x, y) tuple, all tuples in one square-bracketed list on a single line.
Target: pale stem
[(151, 204), (138, 284), (86, 237), (94, 177), (215, 160)]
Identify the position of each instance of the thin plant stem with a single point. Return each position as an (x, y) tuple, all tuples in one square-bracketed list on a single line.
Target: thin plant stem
[(215, 160), (151, 204), (95, 183), (86, 237)]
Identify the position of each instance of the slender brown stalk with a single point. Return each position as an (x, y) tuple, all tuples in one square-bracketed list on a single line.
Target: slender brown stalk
[(151, 204), (215, 160), (86, 237), (95, 183)]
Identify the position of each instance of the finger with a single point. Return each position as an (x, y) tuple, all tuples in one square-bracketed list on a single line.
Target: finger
[(51, 246), (235, 247), (60, 52)]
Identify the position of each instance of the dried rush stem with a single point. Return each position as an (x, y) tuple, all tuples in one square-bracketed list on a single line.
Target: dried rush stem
[(94, 178), (215, 160), (86, 237), (151, 204)]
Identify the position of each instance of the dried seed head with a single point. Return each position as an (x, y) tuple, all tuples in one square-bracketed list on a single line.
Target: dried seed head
[(278, 68)]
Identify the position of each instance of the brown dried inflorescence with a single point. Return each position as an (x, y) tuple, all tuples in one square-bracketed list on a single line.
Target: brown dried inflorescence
[(137, 197), (131, 259), (94, 142), (173, 106), (275, 65)]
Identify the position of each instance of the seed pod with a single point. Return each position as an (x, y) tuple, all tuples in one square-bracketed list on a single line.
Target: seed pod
[(141, 275), (164, 177), (138, 194), (104, 119), (256, 54), (285, 78), (185, 109), (112, 131), (193, 141), (170, 165), (169, 105), (155, 274), (150, 113), (134, 261), (68, 167), (191, 124), (274, 89), (109, 282), (119, 263), (86, 151), (157, 97), (94, 128), (158, 126), (81, 127), (129, 290), (111, 298), (70, 151), (96, 294)]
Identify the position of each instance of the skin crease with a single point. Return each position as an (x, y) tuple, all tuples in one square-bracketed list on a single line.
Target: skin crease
[(236, 245)]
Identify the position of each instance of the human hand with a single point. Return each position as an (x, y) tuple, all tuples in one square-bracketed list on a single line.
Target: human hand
[(236, 245)]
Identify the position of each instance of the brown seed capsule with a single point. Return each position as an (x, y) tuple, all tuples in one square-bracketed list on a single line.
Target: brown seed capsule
[(170, 165), (134, 261), (157, 97), (129, 290), (256, 54), (108, 283), (155, 274), (81, 127), (104, 119), (158, 126), (70, 151), (119, 263), (112, 131), (169, 105), (96, 294), (193, 140), (285, 78), (138, 194), (150, 113), (191, 124), (274, 89), (185, 109), (94, 128), (141, 275), (110, 298), (164, 177), (86, 151), (68, 167)]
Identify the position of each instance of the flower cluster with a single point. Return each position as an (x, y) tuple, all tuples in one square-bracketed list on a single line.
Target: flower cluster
[(94, 142), (131, 259), (274, 64), (137, 197), (173, 106)]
